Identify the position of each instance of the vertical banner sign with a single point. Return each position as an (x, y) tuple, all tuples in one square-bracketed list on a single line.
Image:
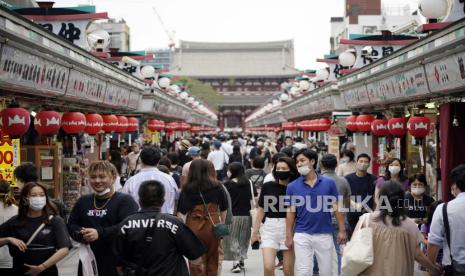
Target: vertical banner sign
[(107, 141), (354, 139), (74, 145), (119, 140), (420, 149), (381, 145), (365, 138), (9, 159), (92, 144), (398, 149), (130, 139), (153, 139)]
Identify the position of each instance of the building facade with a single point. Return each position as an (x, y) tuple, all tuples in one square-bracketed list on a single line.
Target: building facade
[(247, 74), (119, 34), (163, 58)]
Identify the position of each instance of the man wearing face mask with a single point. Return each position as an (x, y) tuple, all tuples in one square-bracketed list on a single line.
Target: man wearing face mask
[(362, 186), (95, 217), (311, 198)]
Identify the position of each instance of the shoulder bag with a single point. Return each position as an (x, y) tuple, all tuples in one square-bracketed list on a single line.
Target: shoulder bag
[(457, 268), (358, 253), (253, 210), (37, 254), (219, 229)]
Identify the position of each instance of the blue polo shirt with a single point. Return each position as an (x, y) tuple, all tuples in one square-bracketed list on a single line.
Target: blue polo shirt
[(314, 216)]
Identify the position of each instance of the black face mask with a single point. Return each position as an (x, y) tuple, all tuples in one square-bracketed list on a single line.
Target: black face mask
[(282, 175)]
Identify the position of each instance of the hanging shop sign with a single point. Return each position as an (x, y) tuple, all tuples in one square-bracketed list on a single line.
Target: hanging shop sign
[(9, 159), (446, 74), (116, 95), (85, 87), (27, 71), (411, 84), (377, 52)]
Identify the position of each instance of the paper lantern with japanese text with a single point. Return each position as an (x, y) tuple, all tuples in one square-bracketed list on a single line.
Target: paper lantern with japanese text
[(351, 123), (323, 124), (15, 121), (363, 122), (73, 122), (397, 126), (419, 127), (133, 124), (173, 126), (379, 127), (94, 124), (47, 122), (122, 124), (289, 126), (110, 123), (155, 125)]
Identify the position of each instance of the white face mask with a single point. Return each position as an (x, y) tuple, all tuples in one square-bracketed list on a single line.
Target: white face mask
[(228, 174), (394, 170), (106, 191), (37, 203), (304, 170), (259, 144), (362, 167), (418, 191)]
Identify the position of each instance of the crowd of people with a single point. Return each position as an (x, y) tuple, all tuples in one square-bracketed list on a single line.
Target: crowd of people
[(185, 207)]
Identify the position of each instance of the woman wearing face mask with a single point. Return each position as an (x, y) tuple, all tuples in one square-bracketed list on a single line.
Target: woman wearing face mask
[(348, 164), (418, 201), (35, 255), (95, 217), (394, 171), (237, 243), (273, 236)]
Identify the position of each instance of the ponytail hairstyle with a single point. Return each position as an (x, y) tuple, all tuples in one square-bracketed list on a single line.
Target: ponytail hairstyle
[(392, 194), (6, 194)]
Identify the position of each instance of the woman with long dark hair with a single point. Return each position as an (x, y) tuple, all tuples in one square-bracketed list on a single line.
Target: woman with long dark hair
[(35, 254), (236, 156), (202, 203), (396, 238), (8, 209), (273, 236), (242, 196), (395, 172)]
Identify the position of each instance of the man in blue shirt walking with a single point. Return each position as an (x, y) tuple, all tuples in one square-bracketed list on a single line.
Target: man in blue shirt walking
[(310, 199)]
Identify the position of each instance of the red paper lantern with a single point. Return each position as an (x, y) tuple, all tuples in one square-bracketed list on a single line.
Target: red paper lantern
[(94, 124), (363, 122), (195, 129), (47, 122), (110, 123), (73, 122), (173, 126), (323, 124), (155, 125), (397, 126), (351, 123), (379, 127), (289, 126), (122, 124), (15, 121), (133, 124), (419, 127), (184, 126)]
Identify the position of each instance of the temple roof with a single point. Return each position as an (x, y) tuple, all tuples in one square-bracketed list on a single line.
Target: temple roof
[(256, 100), (244, 59)]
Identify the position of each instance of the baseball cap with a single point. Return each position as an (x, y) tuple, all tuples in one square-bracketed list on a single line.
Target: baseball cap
[(193, 151), (217, 144)]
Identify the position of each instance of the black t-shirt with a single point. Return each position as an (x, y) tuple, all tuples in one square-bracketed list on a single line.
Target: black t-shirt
[(52, 237), (270, 195), (105, 220), (189, 199), (164, 256), (256, 176), (241, 195), (417, 208)]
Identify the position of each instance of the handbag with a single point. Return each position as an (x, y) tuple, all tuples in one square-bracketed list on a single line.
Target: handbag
[(219, 229), (458, 269), (88, 261), (253, 210), (358, 253)]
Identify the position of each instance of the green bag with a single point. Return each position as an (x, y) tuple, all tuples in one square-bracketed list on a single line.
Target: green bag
[(219, 229)]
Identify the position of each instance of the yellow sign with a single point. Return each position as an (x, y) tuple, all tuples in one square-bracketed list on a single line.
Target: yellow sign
[(9, 159)]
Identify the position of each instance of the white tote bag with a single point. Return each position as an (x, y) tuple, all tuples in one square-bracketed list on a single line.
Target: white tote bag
[(87, 257), (358, 253), (253, 210)]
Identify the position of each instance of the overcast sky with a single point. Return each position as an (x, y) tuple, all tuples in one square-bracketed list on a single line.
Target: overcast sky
[(305, 21)]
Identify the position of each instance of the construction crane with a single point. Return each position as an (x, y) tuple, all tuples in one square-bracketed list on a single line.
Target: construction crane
[(170, 35)]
